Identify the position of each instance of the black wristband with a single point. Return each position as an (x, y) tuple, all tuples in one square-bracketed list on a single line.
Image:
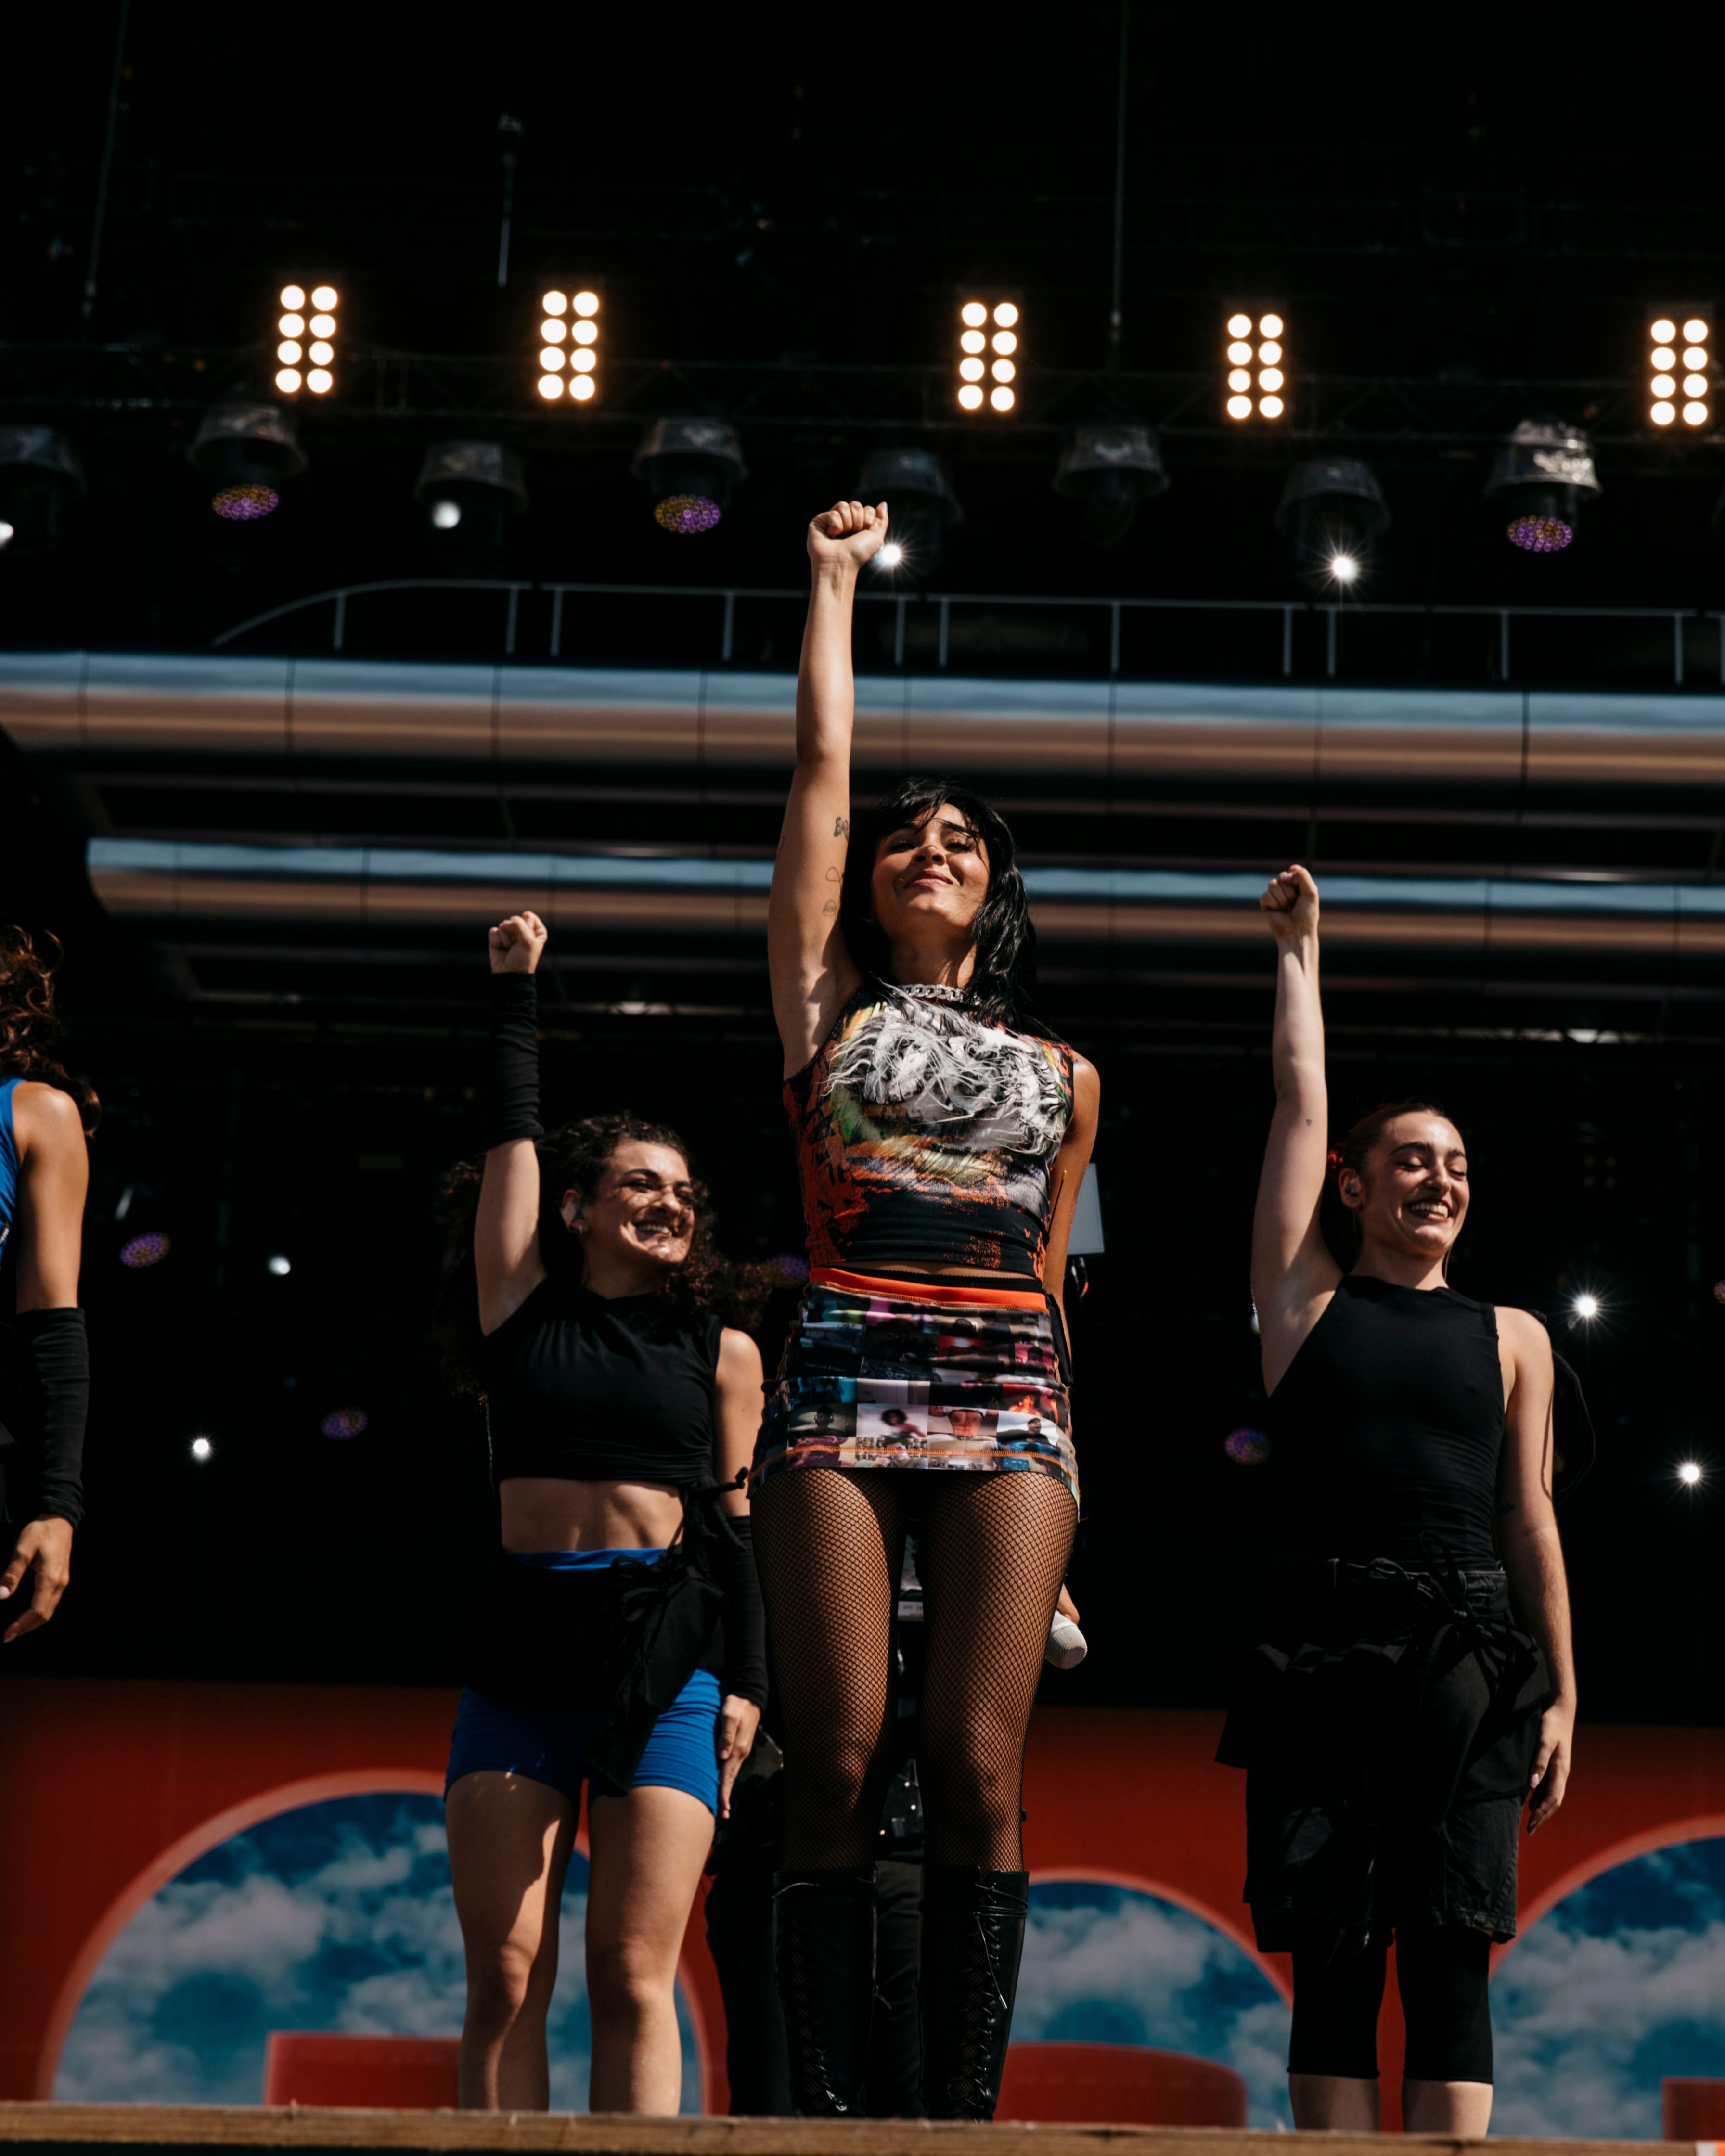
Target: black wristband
[(745, 1670), (512, 1063), (53, 1351)]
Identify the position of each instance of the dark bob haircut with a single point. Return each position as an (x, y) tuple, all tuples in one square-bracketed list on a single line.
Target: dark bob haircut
[(1004, 976)]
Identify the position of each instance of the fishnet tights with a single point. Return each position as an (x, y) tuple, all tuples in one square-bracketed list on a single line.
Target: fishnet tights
[(991, 1553)]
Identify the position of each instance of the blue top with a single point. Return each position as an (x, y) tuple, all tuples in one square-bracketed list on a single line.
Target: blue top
[(8, 1159)]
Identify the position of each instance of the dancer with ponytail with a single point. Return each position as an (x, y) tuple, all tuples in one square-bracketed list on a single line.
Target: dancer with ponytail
[(940, 1146), (1414, 1685), (45, 1117), (621, 1641)]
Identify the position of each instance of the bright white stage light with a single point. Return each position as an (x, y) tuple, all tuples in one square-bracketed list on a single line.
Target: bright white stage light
[(1695, 329), (1270, 407), (1690, 1472), (445, 516), (1002, 399), (1006, 314), (278, 1266), (1344, 567), (1585, 1307), (586, 303), (292, 297), (1239, 326), (324, 298), (288, 380), (554, 331), (973, 314), (556, 303), (891, 555), (319, 382), (550, 386), (581, 388), (201, 1448), (970, 396)]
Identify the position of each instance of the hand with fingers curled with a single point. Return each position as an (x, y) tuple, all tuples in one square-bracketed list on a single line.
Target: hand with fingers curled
[(1289, 905), (517, 945), (849, 534), (734, 1736), (1551, 1762), (44, 1552)]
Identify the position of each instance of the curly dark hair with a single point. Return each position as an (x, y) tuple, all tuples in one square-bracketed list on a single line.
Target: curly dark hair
[(1337, 1222), (574, 1158), (29, 1026), (1004, 976)]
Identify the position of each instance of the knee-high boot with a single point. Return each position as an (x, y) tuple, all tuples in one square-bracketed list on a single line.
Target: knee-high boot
[(824, 1950), (973, 1940)]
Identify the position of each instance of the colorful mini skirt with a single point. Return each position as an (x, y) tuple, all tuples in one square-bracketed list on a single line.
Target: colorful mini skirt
[(902, 1373)]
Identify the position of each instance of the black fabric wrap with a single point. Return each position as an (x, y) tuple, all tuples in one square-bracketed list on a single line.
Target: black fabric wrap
[(42, 1452), (745, 1669), (512, 1063)]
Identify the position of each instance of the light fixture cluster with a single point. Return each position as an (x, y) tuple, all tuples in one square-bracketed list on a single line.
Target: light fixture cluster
[(305, 356), (987, 355), (1679, 383), (1256, 377), (568, 346)]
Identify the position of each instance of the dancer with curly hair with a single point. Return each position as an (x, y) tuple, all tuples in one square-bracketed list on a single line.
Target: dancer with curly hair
[(45, 1117), (621, 1643), (941, 1143), (1413, 1688)]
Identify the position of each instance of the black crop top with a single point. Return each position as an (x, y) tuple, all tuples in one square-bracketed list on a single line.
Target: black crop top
[(589, 1389), (1386, 1428)]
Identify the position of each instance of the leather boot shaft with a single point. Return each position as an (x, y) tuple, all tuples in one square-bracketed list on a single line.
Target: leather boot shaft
[(824, 1954), (973, 1941)]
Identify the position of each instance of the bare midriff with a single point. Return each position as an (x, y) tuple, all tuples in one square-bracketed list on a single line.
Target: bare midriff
[(546, 1512)]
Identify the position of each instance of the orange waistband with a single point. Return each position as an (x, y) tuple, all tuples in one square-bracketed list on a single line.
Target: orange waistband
[(994, 1298)]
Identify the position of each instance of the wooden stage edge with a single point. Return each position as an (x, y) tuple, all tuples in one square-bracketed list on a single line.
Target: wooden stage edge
[(64, 2126)]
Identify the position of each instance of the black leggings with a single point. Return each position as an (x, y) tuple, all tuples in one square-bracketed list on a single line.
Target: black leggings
[(1441, 1975)]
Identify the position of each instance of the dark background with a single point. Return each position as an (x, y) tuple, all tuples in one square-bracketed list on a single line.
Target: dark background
[(1481, 227)]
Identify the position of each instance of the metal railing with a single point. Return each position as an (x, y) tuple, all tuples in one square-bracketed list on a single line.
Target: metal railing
[(921, 606)]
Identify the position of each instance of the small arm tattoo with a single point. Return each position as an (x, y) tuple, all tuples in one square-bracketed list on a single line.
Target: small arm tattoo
[(841, 827), (831, 907)]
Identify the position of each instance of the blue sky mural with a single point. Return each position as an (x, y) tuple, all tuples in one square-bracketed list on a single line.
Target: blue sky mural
[(1107, 1965), (1621, 1983), (336, 1916)]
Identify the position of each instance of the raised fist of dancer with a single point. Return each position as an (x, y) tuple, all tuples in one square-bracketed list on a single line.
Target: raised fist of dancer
[(517, 944), (1290, 905), (847, 532)]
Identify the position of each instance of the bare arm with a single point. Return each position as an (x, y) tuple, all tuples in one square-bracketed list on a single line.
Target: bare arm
[(505, 1232), (1067, 1174), (1528, 1544), (54, 1177), (811, 970), (738, 1403), (1293, 1274)]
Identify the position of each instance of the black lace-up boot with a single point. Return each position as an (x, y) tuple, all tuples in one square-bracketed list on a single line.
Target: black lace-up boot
[(973, 1939), (824, 1951)]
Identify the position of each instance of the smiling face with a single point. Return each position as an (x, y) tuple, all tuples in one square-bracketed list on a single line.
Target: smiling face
[(641, 1211), (1411, 1197), (930, 876)]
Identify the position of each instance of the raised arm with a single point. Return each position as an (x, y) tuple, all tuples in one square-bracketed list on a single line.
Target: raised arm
[(506, 1233), (1528, 1545), (1293, 1274), (811, 969)]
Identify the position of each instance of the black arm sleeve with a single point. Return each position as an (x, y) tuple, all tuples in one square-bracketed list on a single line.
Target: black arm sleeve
[(745, 1670), (53, 1351), (512, 1063)]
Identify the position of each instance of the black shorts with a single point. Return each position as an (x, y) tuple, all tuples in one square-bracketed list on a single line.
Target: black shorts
[(1387, 1749)]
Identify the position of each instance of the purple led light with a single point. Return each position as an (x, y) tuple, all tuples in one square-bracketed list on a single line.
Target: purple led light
[(245, 505), (687, 512), (789, 1266), (145, 1250), (1540, 534), (344, 1422), (1250, 1448)]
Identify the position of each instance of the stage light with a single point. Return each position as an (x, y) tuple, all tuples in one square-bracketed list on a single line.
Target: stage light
[(1332, 511), (294, 325), (689, 466), (1663, 360), (201, 1448), (1542, 474), (249, 448), (580, 329), (987, 325), (40, 479), (144, 1250), (1586, 1307), (1266, 356), (1110, 469), (1246, 1448), (473, 491), (1690, 1472), (279, 1266), (345, 1422), (917, 489)]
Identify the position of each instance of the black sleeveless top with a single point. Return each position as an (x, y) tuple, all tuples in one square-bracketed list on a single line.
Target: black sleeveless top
[(589, 1389), (1386, 1428)]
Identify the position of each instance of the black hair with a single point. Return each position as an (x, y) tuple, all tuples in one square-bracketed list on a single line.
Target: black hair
[(29, 1022), (1338, 1222), (574, 1158), (1004, 975)]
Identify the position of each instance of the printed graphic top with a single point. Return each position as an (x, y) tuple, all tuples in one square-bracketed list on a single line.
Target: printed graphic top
[(8, 1159), (926, 1137)]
